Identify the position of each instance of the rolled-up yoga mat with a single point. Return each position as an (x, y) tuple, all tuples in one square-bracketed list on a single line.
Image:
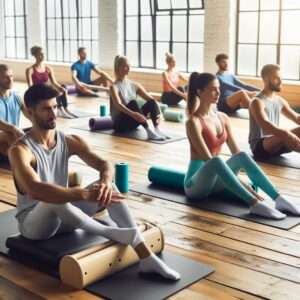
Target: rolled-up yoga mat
[(166, 177), (81, 269), (103, 110), (101, 123), (121, 177), (174, 116), (71, 89), (163, 107)]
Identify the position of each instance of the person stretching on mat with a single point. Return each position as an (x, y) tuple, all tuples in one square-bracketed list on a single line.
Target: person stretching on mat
[(124, 109), (10, 110), (173, 93), (266, 138), (208, 174), (39, 72), (81, 75), (47, 206), (234, 93)]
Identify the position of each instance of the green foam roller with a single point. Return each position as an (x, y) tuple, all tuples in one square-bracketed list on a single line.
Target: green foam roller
[(121, 177), (140, 102), (173, 116), (166, 177), (163, 107)]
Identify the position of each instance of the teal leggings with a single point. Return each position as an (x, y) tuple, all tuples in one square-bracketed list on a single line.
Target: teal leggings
[(215, 176)]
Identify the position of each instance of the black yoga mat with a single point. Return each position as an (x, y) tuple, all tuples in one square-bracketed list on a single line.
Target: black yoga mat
[(4, 163), (126, 284), (291, 159), (229, 206), (137, 134)]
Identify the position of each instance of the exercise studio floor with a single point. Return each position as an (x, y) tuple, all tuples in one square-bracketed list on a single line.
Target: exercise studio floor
[(252, 261)]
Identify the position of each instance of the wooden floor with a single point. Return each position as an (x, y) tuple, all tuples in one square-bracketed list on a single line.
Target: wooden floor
[(252, 261)]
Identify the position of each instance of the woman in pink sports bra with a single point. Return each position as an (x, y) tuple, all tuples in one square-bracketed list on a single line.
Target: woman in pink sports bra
[(173, 93), (40, 73), (208, 174)]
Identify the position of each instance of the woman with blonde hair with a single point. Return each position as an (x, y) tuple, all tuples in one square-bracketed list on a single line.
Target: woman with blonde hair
[(208, 174), (124, 108), (40, 73), (173, 93)]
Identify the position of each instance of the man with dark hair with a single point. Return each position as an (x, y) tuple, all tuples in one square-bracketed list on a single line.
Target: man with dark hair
[(266, 138), (234, 94), (10, 109), (81, 75), (47, 206)]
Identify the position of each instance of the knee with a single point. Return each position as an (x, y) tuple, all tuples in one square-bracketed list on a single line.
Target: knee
[(216, 161), (133, 105), (243, 156)]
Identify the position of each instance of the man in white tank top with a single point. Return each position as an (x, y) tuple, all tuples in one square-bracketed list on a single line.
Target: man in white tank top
[(266, 137), (46, 205)]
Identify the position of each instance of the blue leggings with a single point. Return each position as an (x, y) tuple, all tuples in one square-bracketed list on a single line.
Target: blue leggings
[(205, 178)]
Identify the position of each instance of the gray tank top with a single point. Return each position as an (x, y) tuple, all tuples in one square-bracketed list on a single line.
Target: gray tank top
[(51, 166), (273, 108), (127, 91)]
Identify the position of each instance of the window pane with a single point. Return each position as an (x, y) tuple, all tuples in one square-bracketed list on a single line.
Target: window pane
[(164, 4), (67, 51), (9, 7), (248, 27), (248, 5), (94, 8), (50, 5), (95, 52), (179, 4), (290, 4), (132, 28), (145, 7), (179, 50), (51, 50), (290, 55), (58, 29), (247, 60), (269, 27), (179, 28), (290, 21), (51, 29), (266, 55), (269, 4), (66, 28), (57, 8), (163, 28), (85, 8), (146, 29), (196, 3), (147, 54), (73, 8), (9, 26), (20, 9), (132, 53), (73, 31), (131, 7), (195, 57), (161, 50), (196, 28), (95, 28), (10, 47), (65, 8), (86, 28), (59, 50), (74, 46)]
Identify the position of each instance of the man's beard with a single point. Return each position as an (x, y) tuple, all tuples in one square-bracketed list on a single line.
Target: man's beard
[(46, 125), (275, 88)]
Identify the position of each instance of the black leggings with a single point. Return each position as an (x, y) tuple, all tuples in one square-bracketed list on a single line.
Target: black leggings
[(62, 100), (171, 98), (125, 122)]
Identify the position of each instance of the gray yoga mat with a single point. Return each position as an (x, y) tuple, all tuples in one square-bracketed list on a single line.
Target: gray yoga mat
[(291, 159), (127, 284), (137, 134), (240, 113), (83, 114), (229, 206)]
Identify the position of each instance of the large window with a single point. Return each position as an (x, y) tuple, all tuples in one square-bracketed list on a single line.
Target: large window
[(15, 29), (154, 27), (71, 24), (268, 32)]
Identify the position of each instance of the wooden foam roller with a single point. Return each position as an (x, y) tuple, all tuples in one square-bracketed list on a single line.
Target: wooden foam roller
[(85, 267)]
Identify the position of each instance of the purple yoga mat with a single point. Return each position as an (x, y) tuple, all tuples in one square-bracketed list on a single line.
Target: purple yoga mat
[(71, 89), (101, 123)]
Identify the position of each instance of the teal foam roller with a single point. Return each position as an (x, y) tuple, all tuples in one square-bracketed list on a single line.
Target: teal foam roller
[(122, 177), (166, 177), (173, 116), (163, 107)]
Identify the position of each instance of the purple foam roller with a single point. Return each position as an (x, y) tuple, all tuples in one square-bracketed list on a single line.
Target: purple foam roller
[(101, 123)]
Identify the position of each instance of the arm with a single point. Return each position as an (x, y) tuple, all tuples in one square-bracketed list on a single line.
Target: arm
[(29, 182), (228, 86), (247, 87), (104, 74), (53, 80), (173, 88), (75, 79), (141, 91), (28, 74), (115, 96), (231, 142), (194, 133), (289, 112), (183, 78)]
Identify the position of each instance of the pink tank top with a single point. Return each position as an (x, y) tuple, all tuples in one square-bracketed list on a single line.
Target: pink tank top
[(39, 77), (174, 78)]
